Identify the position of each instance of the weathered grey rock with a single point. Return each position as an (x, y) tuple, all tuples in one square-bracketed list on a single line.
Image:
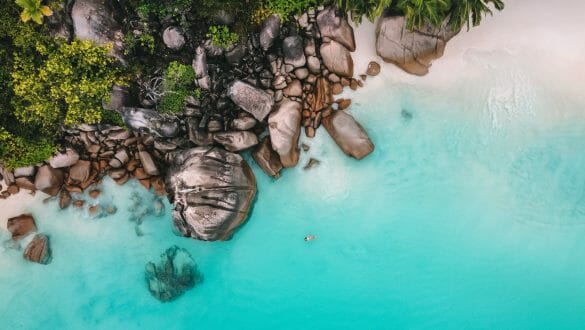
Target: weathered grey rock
[(174, 274), (212, 189), (337, 59), (200, 68), (49, 180), (314, 64), (267, 158), (333, 25), (151, 121), (244, 123), (302, 73), (173, 38), (21, 226), (349, 135), (27, 171), (65, 159), (95, 20), (148, 163), (413, 51), (285, 128), (294, 89), (270, 31), (235, 55), (80, 172), (251, 99), (38, 250), (119, 135), (292, 49), (236, 141)]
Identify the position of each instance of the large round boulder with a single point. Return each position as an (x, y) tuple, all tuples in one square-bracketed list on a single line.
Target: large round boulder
[(411, 50), (212, 190)]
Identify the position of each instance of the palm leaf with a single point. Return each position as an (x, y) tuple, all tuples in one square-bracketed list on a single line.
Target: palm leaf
[(46, 11), (25, 16)]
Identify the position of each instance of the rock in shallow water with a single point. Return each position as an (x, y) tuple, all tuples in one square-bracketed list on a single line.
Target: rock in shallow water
[(38, 250), (175, 273), (349, 135), (212, 190), (21, 226)]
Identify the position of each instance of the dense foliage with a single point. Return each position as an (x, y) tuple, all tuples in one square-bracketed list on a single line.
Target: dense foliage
[(62, 83), (458, 13), (178, 84), (221, 36)]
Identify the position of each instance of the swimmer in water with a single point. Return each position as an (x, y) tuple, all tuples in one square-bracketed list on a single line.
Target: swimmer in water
[(310, 238)]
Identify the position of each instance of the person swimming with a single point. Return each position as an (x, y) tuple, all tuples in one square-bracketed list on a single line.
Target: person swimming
[(310, 238)]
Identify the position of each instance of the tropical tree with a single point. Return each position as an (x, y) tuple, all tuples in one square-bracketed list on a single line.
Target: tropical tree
[(33, 9), (471, 11)]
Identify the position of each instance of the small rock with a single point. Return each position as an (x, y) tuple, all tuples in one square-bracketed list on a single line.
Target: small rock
[(236, 141), (66, 159), (312, 163), (95, 193), (21, 226), (343, 104), (173, 38), (64, 199), (294, 89), (267, 158), (38, 250)]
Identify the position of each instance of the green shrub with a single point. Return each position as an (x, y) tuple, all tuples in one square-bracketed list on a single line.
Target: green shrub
[(221, 36), (63, 84), (17, 151), (285, 8), (420, 12), (178, 84)]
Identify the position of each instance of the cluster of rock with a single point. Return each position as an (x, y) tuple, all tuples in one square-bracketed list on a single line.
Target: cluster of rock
[(92, 153), (175, 273), (21, 229), (260, 95)]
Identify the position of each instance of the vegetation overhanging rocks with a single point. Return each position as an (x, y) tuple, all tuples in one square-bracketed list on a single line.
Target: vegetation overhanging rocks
[(226, 74)]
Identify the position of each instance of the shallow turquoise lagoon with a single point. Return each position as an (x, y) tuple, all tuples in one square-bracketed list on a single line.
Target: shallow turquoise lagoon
[(469, 214)]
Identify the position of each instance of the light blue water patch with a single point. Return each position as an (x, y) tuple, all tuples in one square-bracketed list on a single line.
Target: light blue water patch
[(470, 213)]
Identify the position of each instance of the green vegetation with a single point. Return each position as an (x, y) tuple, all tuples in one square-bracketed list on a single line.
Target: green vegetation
[(16, 151), (178, 84), (420, 12), (286, 8), (33, 9), (221, 36), (62, 83)]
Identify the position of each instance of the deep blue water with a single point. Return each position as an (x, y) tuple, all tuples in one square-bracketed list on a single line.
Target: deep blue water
[(469, 214)]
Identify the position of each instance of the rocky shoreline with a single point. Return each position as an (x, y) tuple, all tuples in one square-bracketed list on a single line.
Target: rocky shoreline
[(261, 95)]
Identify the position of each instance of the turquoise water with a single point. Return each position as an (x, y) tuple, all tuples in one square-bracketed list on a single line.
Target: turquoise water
[(470, 214)]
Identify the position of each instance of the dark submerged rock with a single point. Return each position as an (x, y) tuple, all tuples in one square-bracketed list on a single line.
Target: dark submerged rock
[(212, 189), (175, 273)]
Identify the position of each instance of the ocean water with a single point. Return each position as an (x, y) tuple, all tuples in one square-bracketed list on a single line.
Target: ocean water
[(469, 214)]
